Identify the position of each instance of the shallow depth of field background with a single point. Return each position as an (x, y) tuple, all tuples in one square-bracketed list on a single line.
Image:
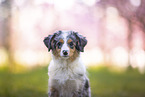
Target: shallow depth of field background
[(114, 55)]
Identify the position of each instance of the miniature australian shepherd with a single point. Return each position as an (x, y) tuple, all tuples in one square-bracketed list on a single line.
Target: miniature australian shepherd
[(67, 73)]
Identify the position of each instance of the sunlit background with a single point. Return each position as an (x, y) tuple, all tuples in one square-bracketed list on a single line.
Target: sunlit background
[(114, 55), (115, 30)]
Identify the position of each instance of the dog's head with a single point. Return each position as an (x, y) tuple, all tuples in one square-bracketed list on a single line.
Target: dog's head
[(65, 44)]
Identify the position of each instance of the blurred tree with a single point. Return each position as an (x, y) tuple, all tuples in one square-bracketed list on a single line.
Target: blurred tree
[(140, 15), (134, 15), (6, 6)]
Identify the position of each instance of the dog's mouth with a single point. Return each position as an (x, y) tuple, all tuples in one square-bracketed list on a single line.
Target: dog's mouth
[(65, 56)]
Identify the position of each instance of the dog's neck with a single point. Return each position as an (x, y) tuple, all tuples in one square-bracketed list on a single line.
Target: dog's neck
[(65, 62)]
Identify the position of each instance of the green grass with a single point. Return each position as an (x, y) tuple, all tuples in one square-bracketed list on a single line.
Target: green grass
[(28, 84), (104, 83)]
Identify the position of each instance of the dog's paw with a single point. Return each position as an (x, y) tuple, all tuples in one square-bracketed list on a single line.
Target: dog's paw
[(53, 93)]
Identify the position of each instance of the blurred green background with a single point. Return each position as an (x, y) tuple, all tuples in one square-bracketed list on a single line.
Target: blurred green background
[(114, 55), (105, 82)]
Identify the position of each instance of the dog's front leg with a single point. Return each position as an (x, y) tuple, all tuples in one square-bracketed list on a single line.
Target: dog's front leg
[(53, 93), (77, 94)]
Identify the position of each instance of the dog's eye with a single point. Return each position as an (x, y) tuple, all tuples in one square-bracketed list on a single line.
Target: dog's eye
[(59, 44), (71, 45)]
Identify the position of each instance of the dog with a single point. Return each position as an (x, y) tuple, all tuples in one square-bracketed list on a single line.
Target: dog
[(67, 73)]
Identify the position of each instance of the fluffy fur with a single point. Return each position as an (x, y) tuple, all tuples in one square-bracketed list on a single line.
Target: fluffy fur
[(67, 74)]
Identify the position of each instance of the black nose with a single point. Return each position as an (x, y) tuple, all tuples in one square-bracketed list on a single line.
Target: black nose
[(65, 52)]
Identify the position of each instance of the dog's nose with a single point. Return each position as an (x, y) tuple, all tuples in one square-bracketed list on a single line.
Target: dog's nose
[(65, 52)]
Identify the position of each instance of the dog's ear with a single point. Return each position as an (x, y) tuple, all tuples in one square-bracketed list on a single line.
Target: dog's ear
[(48, 41), (81, 42)]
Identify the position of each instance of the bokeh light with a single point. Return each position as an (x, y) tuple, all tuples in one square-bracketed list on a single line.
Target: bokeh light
[(115, 37)]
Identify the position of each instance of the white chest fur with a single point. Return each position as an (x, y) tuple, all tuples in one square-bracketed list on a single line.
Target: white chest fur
[(62, 71)]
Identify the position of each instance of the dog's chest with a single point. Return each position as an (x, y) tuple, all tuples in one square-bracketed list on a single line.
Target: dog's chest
[(65, 72)]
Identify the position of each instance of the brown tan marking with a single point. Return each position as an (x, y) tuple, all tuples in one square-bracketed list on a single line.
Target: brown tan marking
[(69, 40), (73, 52), (57, 51), (73, 55), (61, 40)]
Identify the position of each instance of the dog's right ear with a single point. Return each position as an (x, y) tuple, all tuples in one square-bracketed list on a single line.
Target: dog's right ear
[(48, 41)]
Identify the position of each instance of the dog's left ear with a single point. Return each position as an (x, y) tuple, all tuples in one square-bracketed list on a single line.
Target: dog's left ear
[(81, 42)]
